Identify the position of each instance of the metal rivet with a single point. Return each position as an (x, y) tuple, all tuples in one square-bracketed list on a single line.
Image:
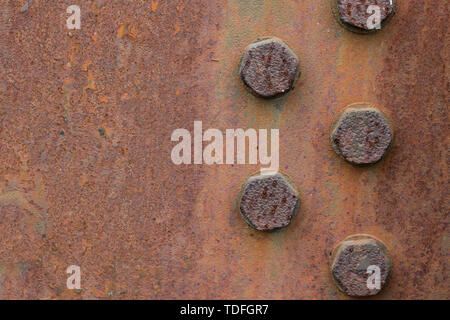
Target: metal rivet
[(355, 16), (361, 134), (353, 261), (269, 68), (268, 201)]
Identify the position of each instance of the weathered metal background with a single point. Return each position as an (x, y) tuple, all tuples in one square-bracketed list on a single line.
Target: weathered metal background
[(86, 176)]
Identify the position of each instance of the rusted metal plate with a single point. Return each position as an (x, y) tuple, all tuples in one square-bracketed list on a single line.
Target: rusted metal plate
[(86, 118)]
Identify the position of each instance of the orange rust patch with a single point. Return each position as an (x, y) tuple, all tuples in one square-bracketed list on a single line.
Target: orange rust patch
[(154, 6)]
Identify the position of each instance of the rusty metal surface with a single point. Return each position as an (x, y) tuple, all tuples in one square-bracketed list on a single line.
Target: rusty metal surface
[(87, 179)]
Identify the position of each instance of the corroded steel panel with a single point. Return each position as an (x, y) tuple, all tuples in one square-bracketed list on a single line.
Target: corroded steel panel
[(86, 175)]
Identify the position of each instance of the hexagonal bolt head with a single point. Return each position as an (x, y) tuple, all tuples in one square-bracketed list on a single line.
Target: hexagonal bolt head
[(269, 202), (361, 134), (354, 15), (269, 68), (353, 262)]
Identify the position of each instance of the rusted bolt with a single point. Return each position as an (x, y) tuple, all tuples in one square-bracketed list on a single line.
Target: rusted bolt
[(356, 16), (269, 68), (361, 265), (269, 202), (361, 134)]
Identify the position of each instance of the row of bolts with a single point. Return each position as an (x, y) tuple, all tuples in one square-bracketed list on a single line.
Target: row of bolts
[(361, 134)]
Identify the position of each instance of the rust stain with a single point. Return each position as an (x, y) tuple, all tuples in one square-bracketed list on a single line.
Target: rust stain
[(177, 29), (154, 6), (127, 29)]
